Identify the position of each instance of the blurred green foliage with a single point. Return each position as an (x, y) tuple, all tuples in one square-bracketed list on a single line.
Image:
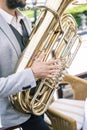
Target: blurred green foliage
[(30, 13), (75, 11)]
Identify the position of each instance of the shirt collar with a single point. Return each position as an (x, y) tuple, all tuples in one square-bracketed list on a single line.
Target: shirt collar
[(9, 18)]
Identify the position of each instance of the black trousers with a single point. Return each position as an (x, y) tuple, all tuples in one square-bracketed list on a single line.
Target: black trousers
[(35, 123)]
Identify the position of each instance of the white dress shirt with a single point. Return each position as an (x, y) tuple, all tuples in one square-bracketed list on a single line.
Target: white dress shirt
[(13, 20)]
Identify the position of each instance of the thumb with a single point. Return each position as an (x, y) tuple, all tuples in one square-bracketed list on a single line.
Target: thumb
[(41, 56)]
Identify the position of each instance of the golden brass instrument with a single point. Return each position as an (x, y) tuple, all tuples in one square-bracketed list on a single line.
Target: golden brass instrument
[(57, 35)]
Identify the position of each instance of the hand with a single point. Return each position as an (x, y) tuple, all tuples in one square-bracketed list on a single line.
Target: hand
[(48, 69)]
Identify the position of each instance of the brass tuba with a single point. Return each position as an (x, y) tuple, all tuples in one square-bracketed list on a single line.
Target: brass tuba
[(56, 33)]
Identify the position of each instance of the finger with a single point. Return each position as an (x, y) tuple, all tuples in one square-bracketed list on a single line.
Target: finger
[(54, 67), (57, 61), (54, 71), (41, 56), (51, 76)]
